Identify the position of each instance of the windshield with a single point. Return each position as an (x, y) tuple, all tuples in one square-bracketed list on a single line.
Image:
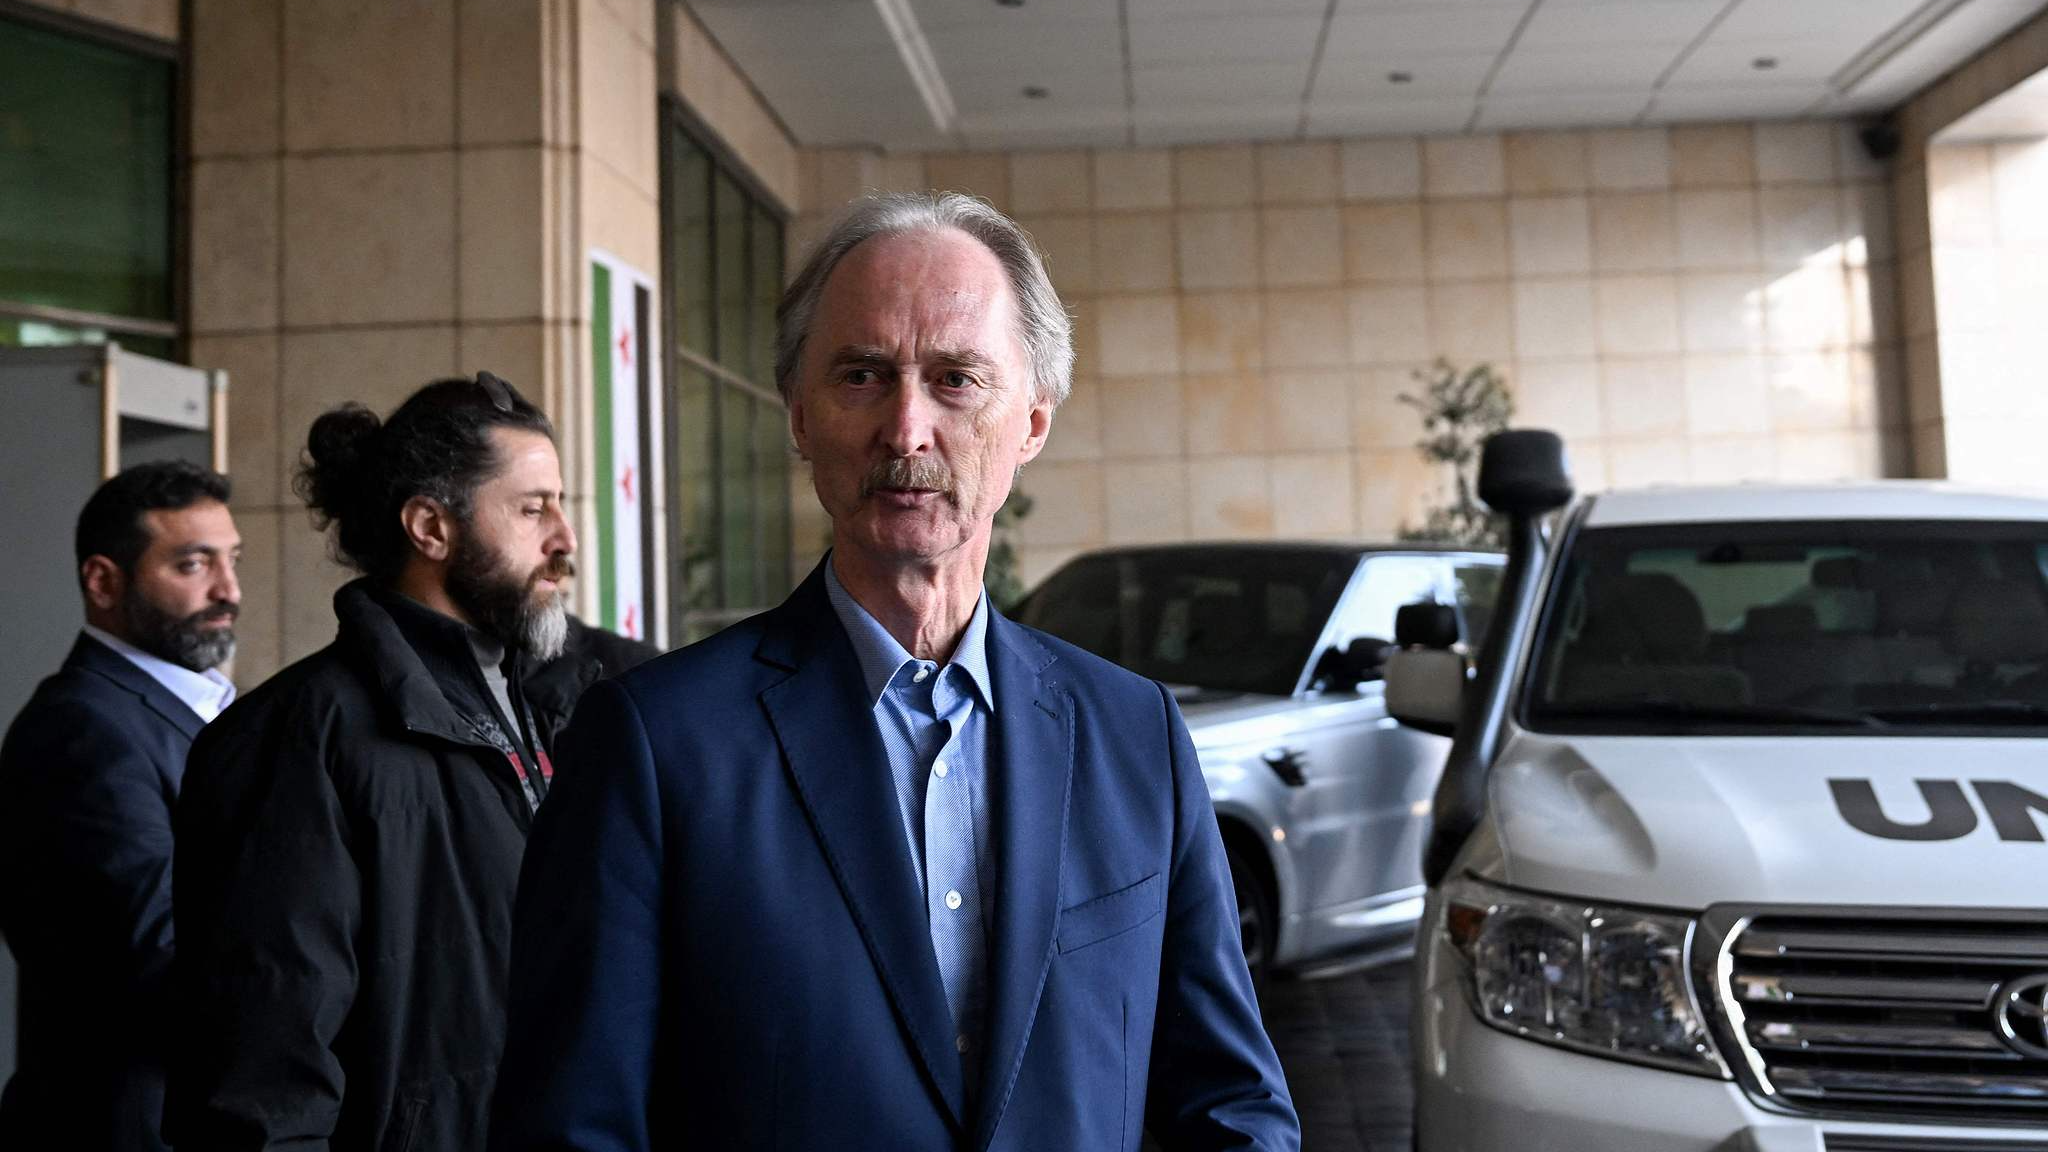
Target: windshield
[(1889, 627), (1229, 619)]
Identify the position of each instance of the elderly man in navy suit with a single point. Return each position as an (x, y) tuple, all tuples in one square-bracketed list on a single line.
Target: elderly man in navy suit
[(880, 868), (88, 775)]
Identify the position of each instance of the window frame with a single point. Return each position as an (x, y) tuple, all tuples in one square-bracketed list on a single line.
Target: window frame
[(174, 330), (768, 561)]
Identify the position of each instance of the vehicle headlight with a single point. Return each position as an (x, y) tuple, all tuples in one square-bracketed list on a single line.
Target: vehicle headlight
[(1604, 980)]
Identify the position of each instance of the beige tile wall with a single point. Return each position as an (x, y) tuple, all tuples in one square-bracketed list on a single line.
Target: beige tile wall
[(1924, 214), (1988, 207), (1703, 303), (385, 193)]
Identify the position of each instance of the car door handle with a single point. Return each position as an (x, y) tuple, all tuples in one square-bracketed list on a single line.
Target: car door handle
[(1287, 764)]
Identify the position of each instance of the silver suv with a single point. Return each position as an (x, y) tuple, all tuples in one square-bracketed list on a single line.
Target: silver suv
[(1274, 651)]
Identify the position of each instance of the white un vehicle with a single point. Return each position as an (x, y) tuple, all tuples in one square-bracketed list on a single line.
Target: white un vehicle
[(1740, 842)]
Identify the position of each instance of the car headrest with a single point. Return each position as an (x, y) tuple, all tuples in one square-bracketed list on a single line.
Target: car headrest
[(1218, 624), (1648, 616), (1910, 599), (1838, 572), (1780, 622), (1998, 622)]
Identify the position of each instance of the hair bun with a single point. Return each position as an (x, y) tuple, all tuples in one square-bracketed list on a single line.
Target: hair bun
[(333, 478)]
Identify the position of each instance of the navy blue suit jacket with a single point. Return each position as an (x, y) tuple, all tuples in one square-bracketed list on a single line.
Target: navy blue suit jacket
[(88, 776), (720, 941)]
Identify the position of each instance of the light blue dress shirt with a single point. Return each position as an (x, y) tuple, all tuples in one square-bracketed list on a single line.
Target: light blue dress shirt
[(935, 723)]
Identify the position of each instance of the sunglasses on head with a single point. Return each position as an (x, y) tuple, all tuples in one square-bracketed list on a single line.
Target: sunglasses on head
[(499, 392)]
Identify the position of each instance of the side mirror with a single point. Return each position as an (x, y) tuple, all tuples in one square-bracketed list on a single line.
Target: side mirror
[(1426, 624), (1426, 689), (1344, 668)]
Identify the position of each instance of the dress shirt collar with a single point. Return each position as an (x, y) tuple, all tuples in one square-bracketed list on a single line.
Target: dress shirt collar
[(207, 693), (880, 655)]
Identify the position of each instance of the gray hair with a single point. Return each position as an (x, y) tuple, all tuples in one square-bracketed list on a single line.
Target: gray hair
[(1045, 329)]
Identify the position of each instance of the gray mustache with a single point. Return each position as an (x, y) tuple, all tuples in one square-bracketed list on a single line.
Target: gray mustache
[(923, 473)]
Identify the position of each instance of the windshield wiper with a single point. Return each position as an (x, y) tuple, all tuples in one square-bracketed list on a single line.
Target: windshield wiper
[(1727, 713), (1966, 711)]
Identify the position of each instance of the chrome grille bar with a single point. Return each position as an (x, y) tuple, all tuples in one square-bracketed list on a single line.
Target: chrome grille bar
[(1877, 1016)]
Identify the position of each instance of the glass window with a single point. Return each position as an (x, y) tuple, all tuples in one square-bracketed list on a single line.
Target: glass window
[(728, 443), (1885, 627), (1477, 584), (1391, 583), (1230, 619), (85, 190)]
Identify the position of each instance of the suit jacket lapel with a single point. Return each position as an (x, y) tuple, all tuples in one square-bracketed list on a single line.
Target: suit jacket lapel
[(1033, 776), (841, 773), (96, 657)]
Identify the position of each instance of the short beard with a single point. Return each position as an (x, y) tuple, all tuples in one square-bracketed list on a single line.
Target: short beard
[(502, 605), (180, 640)]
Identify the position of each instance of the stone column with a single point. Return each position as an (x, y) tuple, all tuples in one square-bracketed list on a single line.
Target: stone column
[(382, 192)]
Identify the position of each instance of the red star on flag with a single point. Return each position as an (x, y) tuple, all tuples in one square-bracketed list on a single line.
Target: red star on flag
[(626, 345), (626, 483), (628, 625)]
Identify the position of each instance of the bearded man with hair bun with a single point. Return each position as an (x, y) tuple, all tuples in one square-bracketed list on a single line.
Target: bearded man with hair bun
[(351, 832)]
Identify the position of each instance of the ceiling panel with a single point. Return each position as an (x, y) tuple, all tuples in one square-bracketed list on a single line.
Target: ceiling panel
[(1066, 48), (1591, 110), (1208, 39), (1679, 105), (1794, 20), (1389, 117), (1528, 71), (1927, 58), (989, 92), (1355, 80), (1253, 9), (1237, 69), (1105, 126), (1220, 83), (1438, 29), (1208, 124), (936, 14), (755, 31), (1731, 64), (1619, 22)]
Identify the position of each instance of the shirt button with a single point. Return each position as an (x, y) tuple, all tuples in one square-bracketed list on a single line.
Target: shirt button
[(960, 1042), (953, 900), (921, 673), (939, 769)]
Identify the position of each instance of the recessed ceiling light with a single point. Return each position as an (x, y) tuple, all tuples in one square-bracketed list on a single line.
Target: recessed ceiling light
[(1764, 63), (1011, 3), (1400, 77), (1035, 92)]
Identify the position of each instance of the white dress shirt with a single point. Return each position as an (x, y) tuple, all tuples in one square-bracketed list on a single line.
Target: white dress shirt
[(208, 693)]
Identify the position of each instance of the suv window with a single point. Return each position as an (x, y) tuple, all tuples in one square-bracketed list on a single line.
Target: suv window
[(1890, 626), (1233, 619), (1389, 583)]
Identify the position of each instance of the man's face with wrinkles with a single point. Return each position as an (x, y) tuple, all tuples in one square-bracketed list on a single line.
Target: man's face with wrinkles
[(915, 401)]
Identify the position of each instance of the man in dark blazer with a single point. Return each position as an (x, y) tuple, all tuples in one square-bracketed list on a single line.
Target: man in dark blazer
[(880, 868), (88, 776)]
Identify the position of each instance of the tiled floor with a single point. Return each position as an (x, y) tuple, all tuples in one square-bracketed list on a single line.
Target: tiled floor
[(1344, 1043)]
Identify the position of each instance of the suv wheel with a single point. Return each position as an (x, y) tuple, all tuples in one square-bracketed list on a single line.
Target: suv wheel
[(1257, 922)]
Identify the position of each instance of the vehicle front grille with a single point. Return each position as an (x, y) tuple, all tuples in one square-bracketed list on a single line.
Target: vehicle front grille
[(1886, 1018)]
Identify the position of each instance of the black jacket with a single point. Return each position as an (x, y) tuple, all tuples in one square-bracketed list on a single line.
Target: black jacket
[(589, 653), (88, 777), (348, 845)]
